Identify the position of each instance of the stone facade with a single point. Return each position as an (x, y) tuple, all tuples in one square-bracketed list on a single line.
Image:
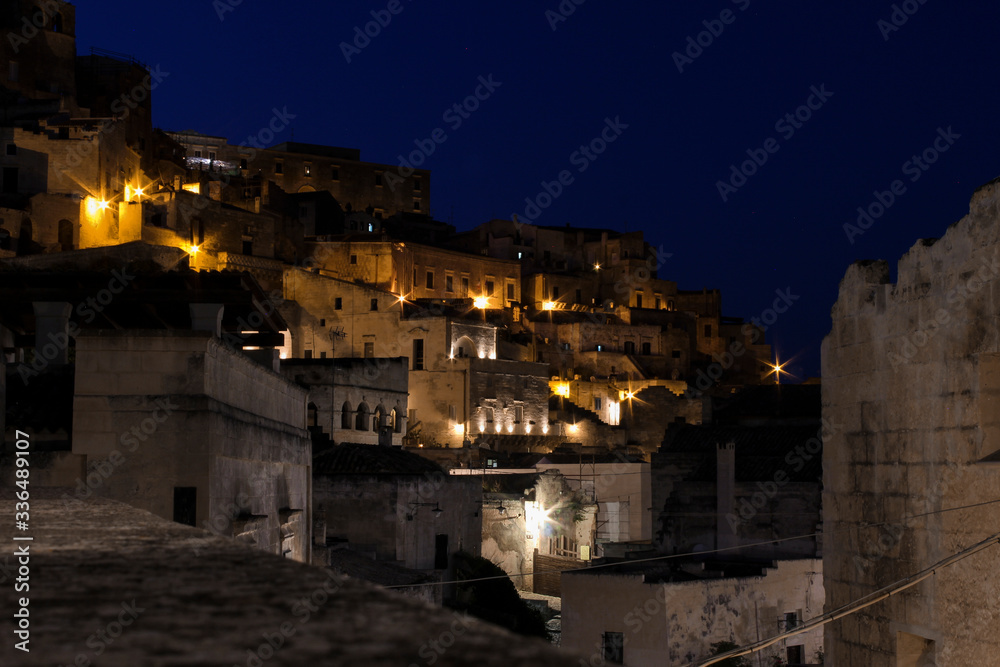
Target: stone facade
[(664, 617), (181, 426), (911, 375)]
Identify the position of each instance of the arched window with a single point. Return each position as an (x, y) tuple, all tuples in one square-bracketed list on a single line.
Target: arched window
[(394, 419), (464, 347), (379, 417), (312, 418), (361, 420), (57, 22), (345, 416)]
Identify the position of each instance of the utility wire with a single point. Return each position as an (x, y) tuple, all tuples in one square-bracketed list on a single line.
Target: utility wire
[(694, 553), (857, 605)]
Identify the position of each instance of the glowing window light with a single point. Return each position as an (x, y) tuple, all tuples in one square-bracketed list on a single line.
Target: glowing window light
[(193, 187), (614, 413)]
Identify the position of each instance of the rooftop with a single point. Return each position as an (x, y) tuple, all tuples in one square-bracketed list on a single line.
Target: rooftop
[(190, 598)]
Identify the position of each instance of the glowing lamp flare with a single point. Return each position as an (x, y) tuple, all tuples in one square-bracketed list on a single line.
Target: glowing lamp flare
[(481, 302)]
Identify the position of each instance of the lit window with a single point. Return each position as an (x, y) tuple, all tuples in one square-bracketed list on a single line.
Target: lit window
[(308, 170)]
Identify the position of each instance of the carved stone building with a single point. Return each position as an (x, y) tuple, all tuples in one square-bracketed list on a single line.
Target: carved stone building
[(911, 379)]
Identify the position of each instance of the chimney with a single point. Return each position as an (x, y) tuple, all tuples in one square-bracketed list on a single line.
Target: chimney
[(725, 498)]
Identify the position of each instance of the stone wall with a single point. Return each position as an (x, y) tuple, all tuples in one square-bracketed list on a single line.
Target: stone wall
[(676, 623), (911, 376), (156, 412)]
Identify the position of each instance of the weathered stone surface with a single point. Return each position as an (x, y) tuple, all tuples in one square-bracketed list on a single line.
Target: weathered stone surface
[(910, 373), (206, 600)]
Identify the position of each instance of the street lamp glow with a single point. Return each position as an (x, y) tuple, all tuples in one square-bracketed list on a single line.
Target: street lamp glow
[(548, 305), (481, 302)]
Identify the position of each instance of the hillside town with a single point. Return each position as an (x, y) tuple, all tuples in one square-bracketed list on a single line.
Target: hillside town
[(280, 347)]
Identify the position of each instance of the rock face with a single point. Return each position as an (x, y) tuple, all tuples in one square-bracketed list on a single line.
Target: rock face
[(911, 390), (114, 585)]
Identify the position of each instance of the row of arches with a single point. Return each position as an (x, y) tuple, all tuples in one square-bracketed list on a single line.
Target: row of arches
[(363, 419)]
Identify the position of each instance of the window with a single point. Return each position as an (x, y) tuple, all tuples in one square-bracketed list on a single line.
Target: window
[(14, 72), (345, 416), (449, 283), (322, 355), (510, 291), (489, 288), (197, 153), (676, 354), (795, 655), (378, 180), (656, 301), (597, 403), (374, 304), (211, 155), (555, 292), (279, 168), (308, 170), (322, 322), (308, 354), (369, 350), (647, 348), (416, 204), (638, 299), (11, 149), (670, 304), (338, 303), (708, 331), (243, 164), (247, 247), (57, 22), (418, 354), (335, 173), (430, 280), (186, 505), (361, 418), (354, 259), (417, 185), (465, 286), (518, 414), (613, 647), (629, 347)]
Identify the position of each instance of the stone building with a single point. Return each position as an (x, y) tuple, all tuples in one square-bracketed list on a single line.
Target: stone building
[(299, 168), (158, 403), (655, 613), (395, 506), (910, 383), (354, 400)]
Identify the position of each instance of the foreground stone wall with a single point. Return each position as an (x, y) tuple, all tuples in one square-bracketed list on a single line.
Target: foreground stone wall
[(193, 598), (911, 380)]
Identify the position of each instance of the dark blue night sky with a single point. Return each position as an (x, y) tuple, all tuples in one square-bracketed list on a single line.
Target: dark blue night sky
[(886, 91)]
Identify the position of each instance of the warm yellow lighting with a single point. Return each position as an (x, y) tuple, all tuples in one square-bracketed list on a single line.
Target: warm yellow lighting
[(562, 389), (481, 302), (128, 193), (548, 305), (545, 429), (460, 429), (498, 427), (402, 298), (597, 267), (527, 429), (138, 193), (510, 428), (193, 250), (193, 187), (573, 428), (482, 428)]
